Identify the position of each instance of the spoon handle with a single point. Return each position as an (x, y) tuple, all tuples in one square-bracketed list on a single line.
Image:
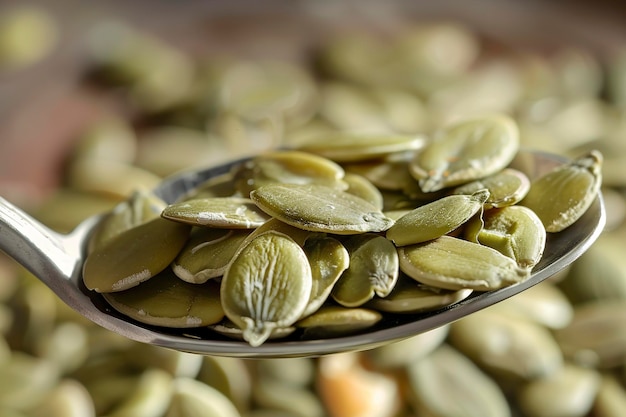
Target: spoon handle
[(36, 247)]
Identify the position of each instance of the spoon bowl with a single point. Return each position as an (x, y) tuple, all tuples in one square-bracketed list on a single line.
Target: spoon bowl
[(57, 261)]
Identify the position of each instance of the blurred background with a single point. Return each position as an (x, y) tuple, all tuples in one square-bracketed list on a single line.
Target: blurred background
[(97, 98)]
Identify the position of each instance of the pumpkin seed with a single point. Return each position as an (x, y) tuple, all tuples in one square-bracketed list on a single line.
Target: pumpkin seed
[(207, 254), (373, 270), (288, 167), (446, 383), (191, 398), (68, 399), (150, 397), (362, 187), (466, 151), (507, 346), (138, 209), (436, 219), (596, 335), (328, 259), (281, 395), (226, 212), (165, 300), (350, 147), (569, 392), (320, 209), (455, 264), (578, 184), (409, 296), (514, 231), (333, 321), (134, 256), (506, 187), (230, 376), (401, 354), (267, 286)]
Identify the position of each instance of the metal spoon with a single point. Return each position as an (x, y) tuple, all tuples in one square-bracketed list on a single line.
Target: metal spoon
[(57, 261)]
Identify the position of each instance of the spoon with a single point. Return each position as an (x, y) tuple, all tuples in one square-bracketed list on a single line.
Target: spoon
[(57, 261)]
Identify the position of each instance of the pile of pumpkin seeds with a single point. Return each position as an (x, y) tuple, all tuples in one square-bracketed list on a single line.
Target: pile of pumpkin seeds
[(557, 349)]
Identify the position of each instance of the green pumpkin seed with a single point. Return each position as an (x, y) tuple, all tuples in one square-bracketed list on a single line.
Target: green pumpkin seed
[(191, 398), (328, 259), (226, 212), (390, 174), (320, 209), (230, 376), (219, 186), (134, 256), (267, 286), (436, 219), (68, 399), (280, 395), (288, 167), (576, 183), (150, 397), (506, 346), (350, 147), (26, 379), (596, 336), (455, 264), (167, 301), (466, 151), (409, 296), (207, 254), (569, 392), (398, 355), (543, 304), (506, 188), (362, 187), (514, 231), (373, 271), (333, 321), (140, 208), (446, 383)]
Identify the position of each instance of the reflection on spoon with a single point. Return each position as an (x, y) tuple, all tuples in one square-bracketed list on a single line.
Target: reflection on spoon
[(57, 261)]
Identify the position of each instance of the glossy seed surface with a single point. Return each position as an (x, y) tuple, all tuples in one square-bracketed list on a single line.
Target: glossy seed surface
[(320, 209)]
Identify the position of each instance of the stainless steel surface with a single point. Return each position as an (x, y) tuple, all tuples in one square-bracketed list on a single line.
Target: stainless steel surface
[(57, 261)]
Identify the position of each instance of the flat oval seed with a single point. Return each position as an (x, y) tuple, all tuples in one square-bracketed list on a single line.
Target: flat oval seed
[(514, 231), (455, 264), (228, 212), (229, 329), (446, 383), (436, 219), (506, 188), (139, 208), (333, 321), (288, 167), (191, 398), (328, 259), (165, 300), (350, 147), (569, 392), (466, 151), (134, 256), (320, 209), (507, 346), (267, 286), (409, 296), (362, 187), (373, 271), (207, 254), (563, 195)]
